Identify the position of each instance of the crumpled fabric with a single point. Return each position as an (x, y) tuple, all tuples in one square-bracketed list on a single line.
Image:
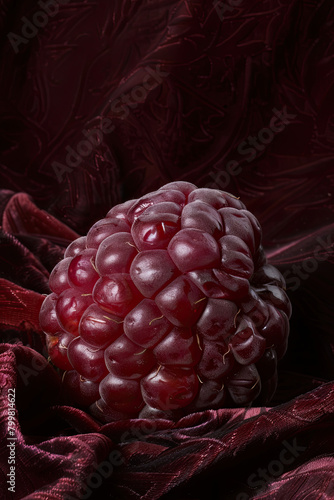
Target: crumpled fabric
[(238, 96)]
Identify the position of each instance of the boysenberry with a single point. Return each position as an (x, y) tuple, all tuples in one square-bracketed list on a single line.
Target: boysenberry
[(166, 307)]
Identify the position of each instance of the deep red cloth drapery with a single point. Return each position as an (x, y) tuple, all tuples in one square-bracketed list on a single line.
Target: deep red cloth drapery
[(102, 102)]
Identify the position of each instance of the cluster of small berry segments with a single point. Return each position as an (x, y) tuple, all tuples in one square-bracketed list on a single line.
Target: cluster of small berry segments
[(166, 307)]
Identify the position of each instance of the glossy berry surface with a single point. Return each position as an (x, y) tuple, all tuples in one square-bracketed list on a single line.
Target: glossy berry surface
[(167, 306)]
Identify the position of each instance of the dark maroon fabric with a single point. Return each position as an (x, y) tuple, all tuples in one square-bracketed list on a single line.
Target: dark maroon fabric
[(220, 74)]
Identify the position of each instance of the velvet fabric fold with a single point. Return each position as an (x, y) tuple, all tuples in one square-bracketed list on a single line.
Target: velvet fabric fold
[(62, 452), (108, 101)]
